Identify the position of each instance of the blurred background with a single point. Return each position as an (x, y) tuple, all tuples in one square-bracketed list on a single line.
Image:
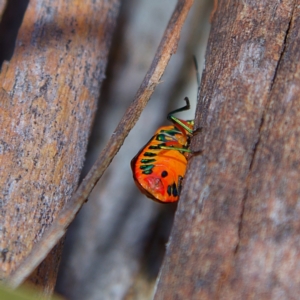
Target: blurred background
[(116, 245)]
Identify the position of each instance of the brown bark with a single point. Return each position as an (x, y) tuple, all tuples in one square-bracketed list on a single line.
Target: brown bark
[(236, 231), (48, 98)]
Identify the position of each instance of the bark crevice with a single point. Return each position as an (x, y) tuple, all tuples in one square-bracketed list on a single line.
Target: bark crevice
[(283, 48)]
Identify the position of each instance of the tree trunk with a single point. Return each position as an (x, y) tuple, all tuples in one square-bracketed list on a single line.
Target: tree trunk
[(236, 231), (49, 90)]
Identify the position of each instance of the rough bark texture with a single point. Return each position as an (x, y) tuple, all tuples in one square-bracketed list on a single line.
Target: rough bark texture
[(48, 99), (236, 231)]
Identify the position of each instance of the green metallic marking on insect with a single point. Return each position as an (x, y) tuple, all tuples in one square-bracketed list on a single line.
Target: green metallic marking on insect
[(148, 172), (154, 147), (146, 167), (157, 147), (150, 154), (170, 132), (148, 161), (181, 150), (161, 137)]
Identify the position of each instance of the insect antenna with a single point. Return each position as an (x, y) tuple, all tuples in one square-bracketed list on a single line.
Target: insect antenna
[(177, 122), (186, 107)]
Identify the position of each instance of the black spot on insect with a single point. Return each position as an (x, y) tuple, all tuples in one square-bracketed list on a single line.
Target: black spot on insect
[(169, 190), (174, 190), (164, 174), (149, 154), (147, 161)]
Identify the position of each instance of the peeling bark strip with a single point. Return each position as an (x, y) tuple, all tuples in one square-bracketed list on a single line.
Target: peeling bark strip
[(166, 48), (236, 231), (48, 99)]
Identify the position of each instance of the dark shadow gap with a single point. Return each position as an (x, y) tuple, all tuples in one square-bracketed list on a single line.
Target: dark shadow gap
[(9, 27)]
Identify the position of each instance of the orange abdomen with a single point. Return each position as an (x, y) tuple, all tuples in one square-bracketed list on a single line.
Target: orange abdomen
[(158, 172)]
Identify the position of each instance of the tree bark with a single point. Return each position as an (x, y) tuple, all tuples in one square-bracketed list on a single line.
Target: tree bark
[(236, 231), (48, 95)]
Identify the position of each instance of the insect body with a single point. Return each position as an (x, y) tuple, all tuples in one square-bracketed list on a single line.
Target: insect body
[(160, 165)]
